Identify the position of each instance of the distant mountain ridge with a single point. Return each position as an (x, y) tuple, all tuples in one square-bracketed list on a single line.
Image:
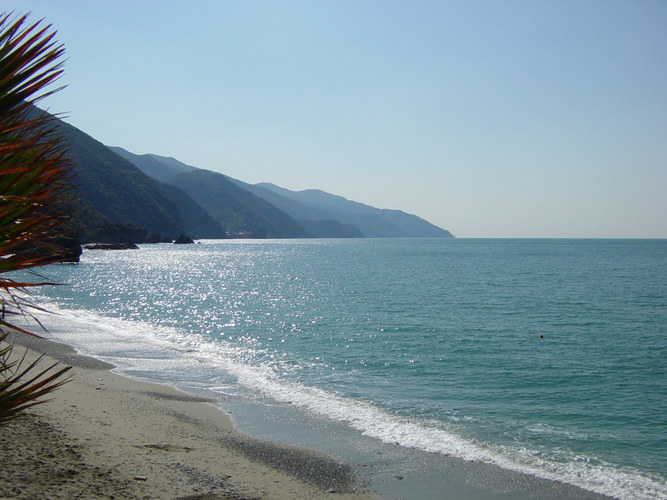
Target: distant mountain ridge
[(120, 196), (157, 167), (117, 201), (373, 222), (241, 213), (319, 225), (319, 214)]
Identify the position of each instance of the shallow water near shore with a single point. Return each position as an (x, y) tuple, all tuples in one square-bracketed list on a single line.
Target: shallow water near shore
[(545, 357)]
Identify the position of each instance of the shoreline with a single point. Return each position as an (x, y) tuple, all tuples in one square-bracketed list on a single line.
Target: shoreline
[(105, 435), (126, 438)]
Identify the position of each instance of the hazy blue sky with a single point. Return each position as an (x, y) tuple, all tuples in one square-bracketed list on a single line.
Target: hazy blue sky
[(489, 118)]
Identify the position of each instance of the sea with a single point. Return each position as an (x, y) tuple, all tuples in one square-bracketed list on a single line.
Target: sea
[(426, 363)]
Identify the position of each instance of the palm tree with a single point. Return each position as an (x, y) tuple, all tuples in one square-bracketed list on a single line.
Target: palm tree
[(33, 182)]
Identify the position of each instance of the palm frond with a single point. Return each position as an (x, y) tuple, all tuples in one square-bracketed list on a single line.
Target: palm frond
[(33, 166), (34, 171), (21, 386)]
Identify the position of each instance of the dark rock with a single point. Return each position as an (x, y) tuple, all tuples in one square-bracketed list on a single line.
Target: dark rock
[(111, 246), (62, 248), (183, 240), (70, 248)]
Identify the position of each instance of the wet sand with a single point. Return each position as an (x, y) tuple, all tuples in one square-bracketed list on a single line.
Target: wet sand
[(106, 436)]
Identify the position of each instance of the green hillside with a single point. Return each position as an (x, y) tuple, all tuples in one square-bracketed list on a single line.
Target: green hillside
[(158, 167), (242, 213), (319, 223), (317, 213), (314, 204), (118, 198), (112, 191)]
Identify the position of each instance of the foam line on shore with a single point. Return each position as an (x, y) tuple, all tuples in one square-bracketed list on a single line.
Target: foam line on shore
[(367, 418)]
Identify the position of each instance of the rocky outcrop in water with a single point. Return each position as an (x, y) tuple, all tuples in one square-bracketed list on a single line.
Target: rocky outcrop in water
[(183, 240), (62, 248)]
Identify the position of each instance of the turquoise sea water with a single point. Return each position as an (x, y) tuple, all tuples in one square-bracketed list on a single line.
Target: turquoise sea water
[(542, 356)]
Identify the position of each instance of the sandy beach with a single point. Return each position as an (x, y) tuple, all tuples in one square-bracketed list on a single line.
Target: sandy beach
[(106, 436)]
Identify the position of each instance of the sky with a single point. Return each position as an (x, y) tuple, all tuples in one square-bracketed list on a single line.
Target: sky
[(488, 118)]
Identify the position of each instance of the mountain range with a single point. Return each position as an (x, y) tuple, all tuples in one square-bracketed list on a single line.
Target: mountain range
[(122, 196)]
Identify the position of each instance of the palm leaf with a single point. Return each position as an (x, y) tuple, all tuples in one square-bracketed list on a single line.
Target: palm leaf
[(34, 174), (21, 387), (33, 168)]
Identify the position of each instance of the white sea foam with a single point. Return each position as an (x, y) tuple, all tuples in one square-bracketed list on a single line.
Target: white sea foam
[(158, 353)]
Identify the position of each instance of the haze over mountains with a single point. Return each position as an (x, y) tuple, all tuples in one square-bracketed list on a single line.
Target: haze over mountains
[(321, 214), (127, 197), (313, 205)]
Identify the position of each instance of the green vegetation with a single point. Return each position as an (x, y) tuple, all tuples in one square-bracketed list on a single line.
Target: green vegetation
[(242, 210), (122, 204), (160, 168), (33, 185), (242, 213), (116, 189)]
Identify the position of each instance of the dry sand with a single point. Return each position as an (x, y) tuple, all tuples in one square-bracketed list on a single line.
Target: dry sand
[(107, 436)]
